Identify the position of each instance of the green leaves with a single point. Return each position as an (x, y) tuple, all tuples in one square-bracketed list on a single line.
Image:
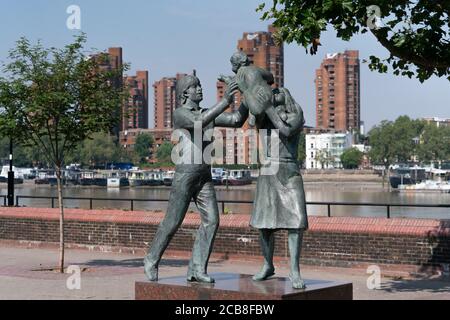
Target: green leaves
[(434, 143), (396, 141), (164, 152), (56, 98), (416, 33), (144, 142), (351, 158)]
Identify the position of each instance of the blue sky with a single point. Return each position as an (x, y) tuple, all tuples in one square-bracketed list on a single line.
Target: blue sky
[(166, 37)]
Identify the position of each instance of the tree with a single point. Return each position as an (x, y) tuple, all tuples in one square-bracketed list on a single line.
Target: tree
[(434, 143), (351, 158), (394, 141), (323, 157), (21, 154), (164, 152), (416, 33), (301, 156), (54, 99), (98, 149), (144, 142)]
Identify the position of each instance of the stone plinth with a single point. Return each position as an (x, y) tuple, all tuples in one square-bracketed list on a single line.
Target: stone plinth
[(231, 286)]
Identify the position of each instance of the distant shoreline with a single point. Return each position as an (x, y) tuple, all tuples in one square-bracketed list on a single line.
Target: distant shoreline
[(309, 182)]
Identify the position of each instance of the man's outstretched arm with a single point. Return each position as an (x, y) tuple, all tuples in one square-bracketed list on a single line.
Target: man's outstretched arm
[(185, 119), (234, 119)]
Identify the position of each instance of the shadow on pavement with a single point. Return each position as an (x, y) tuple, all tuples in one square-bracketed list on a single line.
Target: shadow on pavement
[(133, 263), (438, 285)]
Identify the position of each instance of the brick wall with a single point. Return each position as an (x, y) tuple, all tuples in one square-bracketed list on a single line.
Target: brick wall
[(338, 241)]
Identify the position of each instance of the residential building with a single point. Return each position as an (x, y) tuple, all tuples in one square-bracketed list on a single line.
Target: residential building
[(165, 101), (439, 122), (135, 111), (263, 52), (323, 151), (337, 85), (127, 139)]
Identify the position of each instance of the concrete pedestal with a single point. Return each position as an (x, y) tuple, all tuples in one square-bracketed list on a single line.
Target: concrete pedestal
[(231, 286)]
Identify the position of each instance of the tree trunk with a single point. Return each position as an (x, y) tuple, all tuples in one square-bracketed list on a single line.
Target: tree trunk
[(389, 179), (61, 220)]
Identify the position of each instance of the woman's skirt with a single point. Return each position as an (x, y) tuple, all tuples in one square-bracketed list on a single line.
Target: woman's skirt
[(280, 199)]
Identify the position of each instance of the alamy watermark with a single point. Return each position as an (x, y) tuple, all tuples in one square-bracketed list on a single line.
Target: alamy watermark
[(374, 280), (73, 22), (207, 147), (73, 282), (373, 17)]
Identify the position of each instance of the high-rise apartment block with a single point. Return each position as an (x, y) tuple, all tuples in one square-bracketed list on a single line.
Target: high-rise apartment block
[(108, 61), (135, 110), (338, 92), (263, 52), (165, 101)]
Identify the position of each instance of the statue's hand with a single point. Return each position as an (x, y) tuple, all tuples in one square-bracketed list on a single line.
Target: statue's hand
[(226, 79), (231, 90), (283, 116)]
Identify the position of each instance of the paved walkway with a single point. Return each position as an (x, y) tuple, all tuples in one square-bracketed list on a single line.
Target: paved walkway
[(25, 273)]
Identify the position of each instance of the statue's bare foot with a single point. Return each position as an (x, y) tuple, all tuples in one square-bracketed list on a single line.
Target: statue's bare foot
[(151, 271), (199, 277), (265, 273), (297, 281)]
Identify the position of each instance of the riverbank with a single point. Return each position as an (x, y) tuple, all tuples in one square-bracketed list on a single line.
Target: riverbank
[(357, 176), (311, 181)]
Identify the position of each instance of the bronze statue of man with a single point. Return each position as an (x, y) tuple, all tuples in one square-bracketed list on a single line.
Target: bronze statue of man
[(192, 180)]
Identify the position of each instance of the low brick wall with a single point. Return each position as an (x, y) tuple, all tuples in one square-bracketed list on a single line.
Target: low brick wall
[(337, 241)]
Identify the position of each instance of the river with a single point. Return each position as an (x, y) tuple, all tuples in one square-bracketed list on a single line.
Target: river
[(321, 192)]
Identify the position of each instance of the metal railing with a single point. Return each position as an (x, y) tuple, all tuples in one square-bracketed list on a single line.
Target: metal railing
[(132, 201)]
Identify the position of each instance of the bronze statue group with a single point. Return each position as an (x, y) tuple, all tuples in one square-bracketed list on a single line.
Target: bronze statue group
[(280, 198)]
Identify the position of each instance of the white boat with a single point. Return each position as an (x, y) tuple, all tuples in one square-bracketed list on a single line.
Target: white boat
[(113, 183), (153, 178), (136, 178), (426, 186), (168, 177), (217, 175), (237, 177), (19, 173)]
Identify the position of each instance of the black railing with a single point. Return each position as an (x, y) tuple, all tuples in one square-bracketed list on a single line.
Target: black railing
[(388, 206)]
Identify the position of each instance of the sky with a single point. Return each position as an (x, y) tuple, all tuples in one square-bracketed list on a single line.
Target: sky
[(170, 36)]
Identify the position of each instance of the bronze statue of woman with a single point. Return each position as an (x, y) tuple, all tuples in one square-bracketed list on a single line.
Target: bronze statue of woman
[(280, 198)]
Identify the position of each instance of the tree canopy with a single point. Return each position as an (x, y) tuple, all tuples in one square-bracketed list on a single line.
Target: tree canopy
[(144, 142), (434, 143), (54, 99), (392, 141), (351, 158), (416, 33), (164, 152), (405, 139)]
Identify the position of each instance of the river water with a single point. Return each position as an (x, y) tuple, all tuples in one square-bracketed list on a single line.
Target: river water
[(321, 192)]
